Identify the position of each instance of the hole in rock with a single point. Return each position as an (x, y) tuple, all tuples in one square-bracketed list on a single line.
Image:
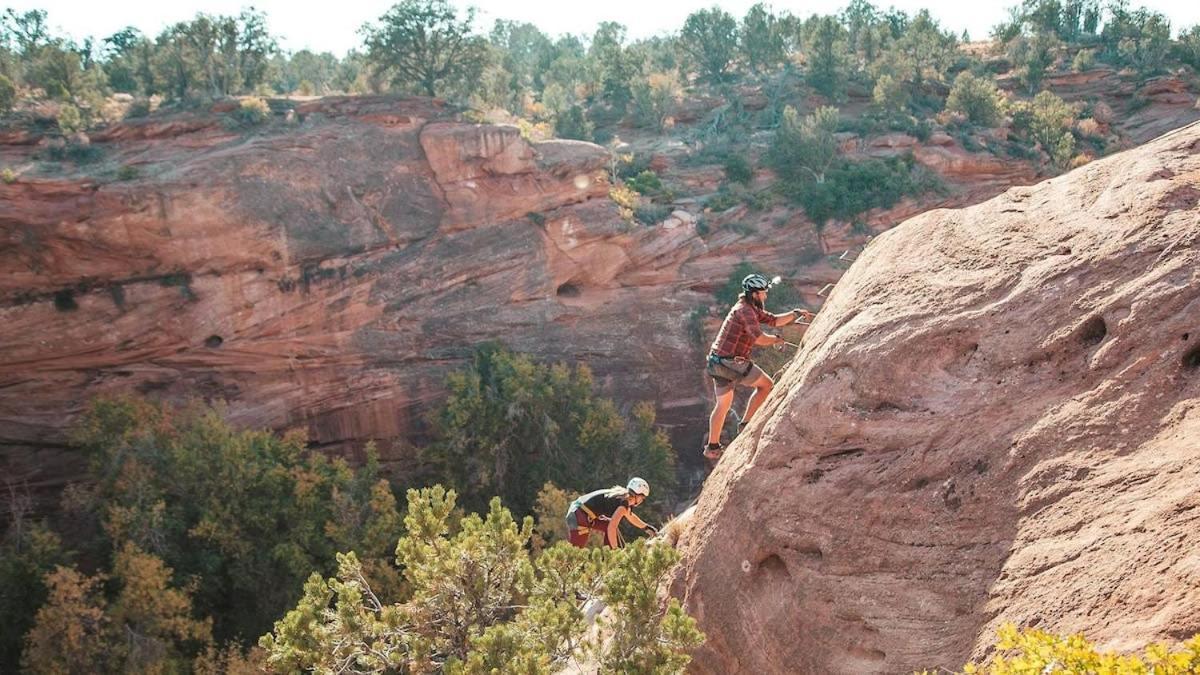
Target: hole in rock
[(1185, 336), (1191, 358), (1093, 331), (64, 301), (774, 566), (569, 290), (214, 341)]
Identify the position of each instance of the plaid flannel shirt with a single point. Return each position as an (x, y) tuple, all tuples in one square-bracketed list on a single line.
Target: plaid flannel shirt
[(740, 330)]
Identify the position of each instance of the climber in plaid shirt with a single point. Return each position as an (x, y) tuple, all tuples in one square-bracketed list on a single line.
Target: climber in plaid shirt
[(729, 361)]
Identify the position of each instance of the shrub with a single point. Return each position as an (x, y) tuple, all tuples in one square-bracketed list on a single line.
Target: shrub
[(851, 188), (977, 98), (626, 200), (1079, 160), (1089, 128), (534, 131), (737, 169), (724, 200), (509, 425), (480, 604), (655, 98), (1035, 651), (147, 627), (647, 183), (548, 511), (890, 95), (651, 213), (69, 119), (8, 176), (140, 107), (1084, 60), (128, 172), (1102, 113), (804, 148), (246, 513), (28, 552), (1187, 49), (8, 95), (252, 111), (573, 123), (1048, 121)]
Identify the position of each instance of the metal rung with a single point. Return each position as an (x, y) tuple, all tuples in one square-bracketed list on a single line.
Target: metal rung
[(825, 290)]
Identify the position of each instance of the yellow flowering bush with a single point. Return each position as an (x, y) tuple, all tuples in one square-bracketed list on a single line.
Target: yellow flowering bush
[(1035, 652)]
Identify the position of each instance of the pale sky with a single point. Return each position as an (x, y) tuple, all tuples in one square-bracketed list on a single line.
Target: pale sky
[(333, 26)]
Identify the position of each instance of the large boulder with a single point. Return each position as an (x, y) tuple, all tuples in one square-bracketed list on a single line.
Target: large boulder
[(996, 418)]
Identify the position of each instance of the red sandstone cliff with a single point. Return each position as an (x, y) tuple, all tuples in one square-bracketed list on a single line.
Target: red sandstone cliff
[(997, 418), (326, 274)]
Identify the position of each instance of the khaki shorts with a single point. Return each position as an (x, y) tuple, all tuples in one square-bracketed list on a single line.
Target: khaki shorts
[(728, 373)]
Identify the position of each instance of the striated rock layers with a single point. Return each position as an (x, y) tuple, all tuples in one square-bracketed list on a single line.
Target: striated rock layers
[(323, 275), (997, 418)]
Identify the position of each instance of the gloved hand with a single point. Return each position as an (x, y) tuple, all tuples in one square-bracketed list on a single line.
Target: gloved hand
[(651, 530), (803, 314)]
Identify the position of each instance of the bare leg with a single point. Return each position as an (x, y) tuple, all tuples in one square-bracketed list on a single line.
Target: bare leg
[(762, 387), (717, 420)]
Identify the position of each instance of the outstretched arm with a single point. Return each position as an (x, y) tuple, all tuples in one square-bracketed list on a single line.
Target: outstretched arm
[(792, 317), (635, 521)]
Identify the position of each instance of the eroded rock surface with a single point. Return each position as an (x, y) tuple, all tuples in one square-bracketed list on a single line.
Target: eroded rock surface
[(997, 418)]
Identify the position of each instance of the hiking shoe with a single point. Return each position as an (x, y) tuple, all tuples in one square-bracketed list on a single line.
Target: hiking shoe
[(713, 452)]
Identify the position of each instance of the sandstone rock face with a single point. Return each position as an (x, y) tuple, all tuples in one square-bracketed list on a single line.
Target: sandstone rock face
[(996, 418), (323, 276)]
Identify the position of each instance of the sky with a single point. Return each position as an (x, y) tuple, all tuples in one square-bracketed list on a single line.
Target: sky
[(333, 26)]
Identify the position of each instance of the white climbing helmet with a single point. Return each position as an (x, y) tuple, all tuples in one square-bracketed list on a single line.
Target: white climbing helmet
[(757, 282), (639, 486)]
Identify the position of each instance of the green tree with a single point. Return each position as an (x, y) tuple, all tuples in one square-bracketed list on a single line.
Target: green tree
[(147, 627), (826, 51), (655, 98), (763, 39), (862, 21), (247, 513), (709, 38), (615, 66), (28, 552), (509, 425), (804, 148), (926, 49), (72, 632), (573, 123), (1188, 47), (1033, 55), (479, 604), (976, 97), (1048, 121), (318, 70), (525, 52), (647, 637), (212, 56), (127, 62), (8, 95), (426, 45), (890, 95), (569, 70)]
